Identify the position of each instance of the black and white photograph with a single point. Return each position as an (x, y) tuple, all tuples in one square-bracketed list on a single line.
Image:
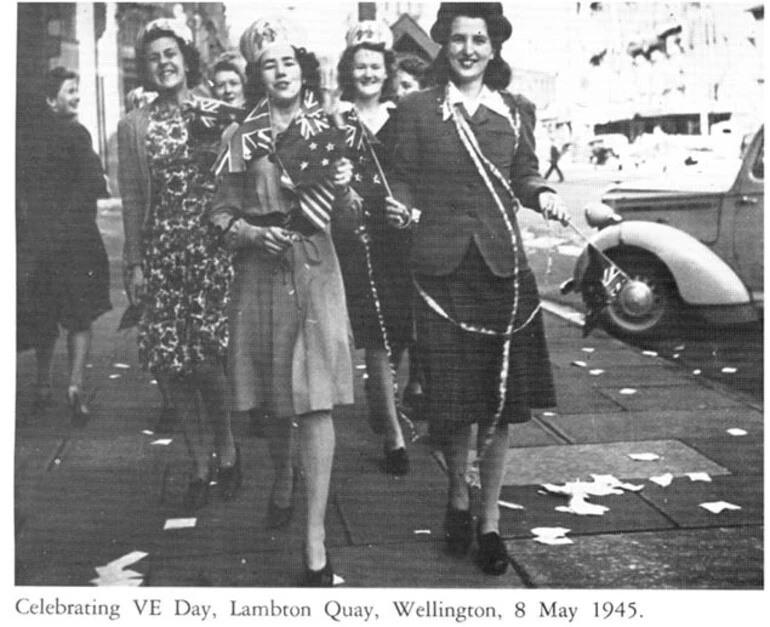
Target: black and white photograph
[(453, 309)]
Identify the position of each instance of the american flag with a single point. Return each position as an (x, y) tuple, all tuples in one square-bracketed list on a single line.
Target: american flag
[(367, 178)]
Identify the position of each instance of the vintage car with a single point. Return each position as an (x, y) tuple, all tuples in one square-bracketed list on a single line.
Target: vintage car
[(690, 244)]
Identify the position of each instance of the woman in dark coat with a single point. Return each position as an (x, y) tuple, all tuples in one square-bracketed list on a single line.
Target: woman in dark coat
[(66, 272), (479, 327)]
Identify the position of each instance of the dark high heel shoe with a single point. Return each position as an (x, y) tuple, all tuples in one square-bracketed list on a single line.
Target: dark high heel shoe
[(458, 530), (280, 517), (396, 462), (80, 412), (230, 478), (323, 578), (197, 495), (492, 556)]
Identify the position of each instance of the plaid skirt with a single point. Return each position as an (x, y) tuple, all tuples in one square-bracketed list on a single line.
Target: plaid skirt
[(462, 369)]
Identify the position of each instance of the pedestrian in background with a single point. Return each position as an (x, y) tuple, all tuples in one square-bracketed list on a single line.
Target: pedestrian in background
[(479, 326), (65, 272), (379, 304), (554, 156), (289, 352), (175, 267), (228, 79)]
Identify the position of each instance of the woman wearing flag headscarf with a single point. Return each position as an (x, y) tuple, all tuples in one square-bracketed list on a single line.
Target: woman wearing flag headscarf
[(62, 254), (378, 291), (174, 263), (289, 352), (465, 157)]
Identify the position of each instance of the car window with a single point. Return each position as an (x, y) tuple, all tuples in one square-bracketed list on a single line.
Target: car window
[(758, 169)]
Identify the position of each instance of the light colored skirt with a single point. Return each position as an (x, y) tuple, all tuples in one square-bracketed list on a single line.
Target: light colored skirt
[(290, 338)]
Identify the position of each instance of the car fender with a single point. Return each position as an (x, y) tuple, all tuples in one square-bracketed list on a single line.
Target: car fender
[(701, 277)]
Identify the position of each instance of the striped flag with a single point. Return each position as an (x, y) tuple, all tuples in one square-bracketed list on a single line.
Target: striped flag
[(602, 283)]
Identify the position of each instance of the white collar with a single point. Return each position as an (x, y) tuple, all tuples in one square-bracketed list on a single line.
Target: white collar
[(492, 100), (379, 120)]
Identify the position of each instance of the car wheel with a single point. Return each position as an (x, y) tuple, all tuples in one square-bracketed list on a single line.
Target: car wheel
[(647, 305)]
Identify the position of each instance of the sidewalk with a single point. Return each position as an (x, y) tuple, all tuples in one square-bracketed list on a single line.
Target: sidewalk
[(85, 497)]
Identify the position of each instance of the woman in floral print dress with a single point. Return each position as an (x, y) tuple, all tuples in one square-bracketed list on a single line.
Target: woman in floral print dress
[(174, 264)]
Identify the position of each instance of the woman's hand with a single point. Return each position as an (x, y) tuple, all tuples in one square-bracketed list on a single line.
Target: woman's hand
[(133, 278), (553, 207), (342, 175), (273, 239), (397, 214)]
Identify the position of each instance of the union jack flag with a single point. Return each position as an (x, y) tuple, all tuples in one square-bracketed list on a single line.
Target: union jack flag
[(209, 117), (602, 282)]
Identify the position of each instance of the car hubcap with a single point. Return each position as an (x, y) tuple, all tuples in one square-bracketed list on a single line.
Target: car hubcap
[(636, 299)]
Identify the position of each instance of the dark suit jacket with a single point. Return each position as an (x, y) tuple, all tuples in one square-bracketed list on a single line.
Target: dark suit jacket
[(434, 173)]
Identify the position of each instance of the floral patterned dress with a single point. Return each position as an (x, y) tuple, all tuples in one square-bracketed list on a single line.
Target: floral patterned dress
[(187, 270)]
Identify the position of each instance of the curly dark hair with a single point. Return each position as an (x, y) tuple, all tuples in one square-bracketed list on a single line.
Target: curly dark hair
[(497, 75), (309, 66), (56, 78), (414, 66), (192, 59), (345, 71)]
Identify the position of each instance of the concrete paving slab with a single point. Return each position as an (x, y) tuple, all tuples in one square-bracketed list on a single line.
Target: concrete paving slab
[(627, 512), (557, 464), (693, 397), (624, 376), (682, 498), (386, 517), (717, 559), (655, 424), (118, 451), (741, 455), (612, 356), (577, 396)]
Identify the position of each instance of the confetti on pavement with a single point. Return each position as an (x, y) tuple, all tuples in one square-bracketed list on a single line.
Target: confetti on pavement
[(663, 480), (162, 442), (148, 432), (628, 391), (650, 353), (551, 535), (679, 348), (153, 382), (644, 457), (114, 573), (729, 370), (717, 507), (699, 476), (337, 580), (579, 364), (697, 371), (422, 532), (596, 372), (179, 523), (508, 505), (548, 413), (114, 376), (588, 349), (121, 366), (580, 506), (737, 432)]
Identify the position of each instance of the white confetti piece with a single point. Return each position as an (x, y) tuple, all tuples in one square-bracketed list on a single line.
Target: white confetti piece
[(588, 349), (548, 413), (153, 382), (579, 364), (579, 506), (161, 442), (89, 365), (644, 457), (148, 432), (663, 480), (337, 580), (628, 391), (179, 523), (508, 505), (551, 535), (650, 353), (121, 366), (729, 370), (679, 348), (718, 507), (114, 573), (613, 483), (596, 372), (675, 356), (697, 371), (360, 367), (737, 432), (422, 532), (699, 476), (115, 376)]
